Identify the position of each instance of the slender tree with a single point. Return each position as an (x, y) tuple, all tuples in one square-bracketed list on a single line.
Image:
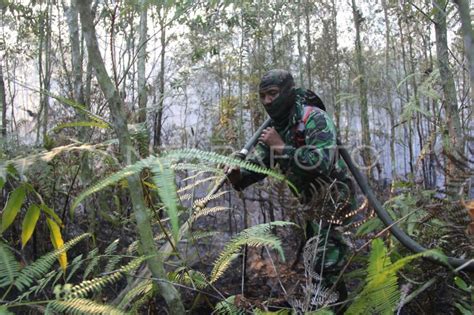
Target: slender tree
[(3, 106), (142, 214), (362, 83), (142, 46), (454, 141)]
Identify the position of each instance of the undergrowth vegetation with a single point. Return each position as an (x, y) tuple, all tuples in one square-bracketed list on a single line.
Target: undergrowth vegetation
[(87, 274)]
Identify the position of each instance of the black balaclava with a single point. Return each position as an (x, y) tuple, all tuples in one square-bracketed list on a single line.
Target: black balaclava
[(280, 109)]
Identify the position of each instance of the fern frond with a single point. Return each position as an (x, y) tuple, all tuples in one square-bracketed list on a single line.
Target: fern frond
[(9, 267), (227, 307), (202, 234), (165, 180), (194, 175), (189, 277), (196, 183), (73, 266), (381, 294), (144, 298), (112, 179), (141, 289), (133, 247), (254, 236), (94, 261), (41, 266), (205, 200), (83, 306), (113, 259), (97, 284), (195, 167), (212, 157), (185, 197), (208, 211)]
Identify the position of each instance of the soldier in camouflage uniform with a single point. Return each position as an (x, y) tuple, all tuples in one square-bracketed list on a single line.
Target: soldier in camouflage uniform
[(302, 141)]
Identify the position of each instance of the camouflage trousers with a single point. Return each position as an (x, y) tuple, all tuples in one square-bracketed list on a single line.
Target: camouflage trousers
[(326, 254)]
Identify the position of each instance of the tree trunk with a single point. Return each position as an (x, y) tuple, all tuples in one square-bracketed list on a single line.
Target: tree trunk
[(3, 108), (361, 79), (390, 108), (407, 131), (468, 34), (47, 71), (307, 12), (455, 140), (158, 123), (142, 91), (142, 214)]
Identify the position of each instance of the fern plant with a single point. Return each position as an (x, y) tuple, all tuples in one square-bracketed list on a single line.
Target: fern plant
[(381, 294), (12, 276), (255, 236), (163, 177), (69, 298)]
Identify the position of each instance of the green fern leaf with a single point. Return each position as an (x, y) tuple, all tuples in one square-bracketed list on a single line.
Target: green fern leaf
[(381, 294), (109, 253), (9, 267), (42, 265), (165, 180), (141, 289), (94, 261), (97, 284), (254, 236), (83, 306), (189, 277), (114, 178), (227, 307)]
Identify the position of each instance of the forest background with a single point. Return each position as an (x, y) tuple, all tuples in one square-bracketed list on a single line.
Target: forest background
[(92, 91)]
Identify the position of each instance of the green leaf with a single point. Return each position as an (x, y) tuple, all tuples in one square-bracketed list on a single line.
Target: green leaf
[(462, 309), (4, 311), (2, 182), (14, 204), (369, 226), (461, 284), (29, 224), (57, 240), (51, 213)]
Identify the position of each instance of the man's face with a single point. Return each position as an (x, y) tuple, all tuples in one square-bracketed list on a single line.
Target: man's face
[(268, 95)]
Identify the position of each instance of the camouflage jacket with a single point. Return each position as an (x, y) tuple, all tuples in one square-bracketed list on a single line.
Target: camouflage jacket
[(309, 160)]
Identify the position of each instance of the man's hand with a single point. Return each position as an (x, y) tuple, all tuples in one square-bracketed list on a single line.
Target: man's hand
[(233, 174), (271, 138)]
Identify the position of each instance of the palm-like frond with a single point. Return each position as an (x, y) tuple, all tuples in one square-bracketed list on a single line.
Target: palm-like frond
[(41, 266), (9, 267), (258, 235)]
